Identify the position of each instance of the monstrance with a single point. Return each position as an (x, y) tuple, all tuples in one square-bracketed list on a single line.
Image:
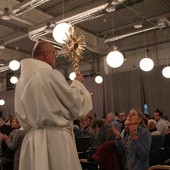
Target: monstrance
[(74, 47)]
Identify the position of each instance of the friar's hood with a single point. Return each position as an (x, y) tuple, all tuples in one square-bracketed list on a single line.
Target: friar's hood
[(31, 66)]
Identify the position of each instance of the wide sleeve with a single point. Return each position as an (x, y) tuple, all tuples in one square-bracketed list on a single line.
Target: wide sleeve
[(75, 97)]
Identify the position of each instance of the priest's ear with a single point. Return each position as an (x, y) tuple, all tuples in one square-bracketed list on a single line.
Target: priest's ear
[(46, 56)]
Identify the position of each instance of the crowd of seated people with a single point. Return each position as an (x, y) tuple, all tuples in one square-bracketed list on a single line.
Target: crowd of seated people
[(131, 134), (128, 142)]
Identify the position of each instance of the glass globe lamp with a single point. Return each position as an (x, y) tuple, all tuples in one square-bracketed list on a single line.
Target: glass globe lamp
[(72, 76), (166, 72), (146, 64), (61, 32), (115, 59), (13, 79), (14, 65), (2, 102), (98, 79)]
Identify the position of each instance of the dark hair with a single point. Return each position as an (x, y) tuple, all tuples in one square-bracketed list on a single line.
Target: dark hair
[(158, 111), (76, 122), (146, 115), (97, 123)]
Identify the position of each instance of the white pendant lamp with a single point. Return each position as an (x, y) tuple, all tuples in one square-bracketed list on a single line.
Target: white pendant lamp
[(115, 59), (98, 79), (166, 72), (14, 65), (2, 102), (13, 79), (146, 64), (61, 32), (72, 76)]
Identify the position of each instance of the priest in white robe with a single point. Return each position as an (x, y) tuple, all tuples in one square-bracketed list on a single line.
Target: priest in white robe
[(46, 105)]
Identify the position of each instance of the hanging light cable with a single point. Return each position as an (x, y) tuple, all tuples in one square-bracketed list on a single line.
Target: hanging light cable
[(2, 101), (166, 70), (146, 64), (14, 64), (98, 78), (115, 58), (61, 31)]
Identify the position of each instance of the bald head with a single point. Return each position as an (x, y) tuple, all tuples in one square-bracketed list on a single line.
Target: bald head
[(45, 51)]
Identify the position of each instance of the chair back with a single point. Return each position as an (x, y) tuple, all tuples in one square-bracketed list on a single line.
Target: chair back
[(166, 145), (157, 142), (82, 143), (156, 152)]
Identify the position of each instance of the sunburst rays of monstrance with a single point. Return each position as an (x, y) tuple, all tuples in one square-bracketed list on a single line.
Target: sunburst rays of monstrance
[(74, 47)]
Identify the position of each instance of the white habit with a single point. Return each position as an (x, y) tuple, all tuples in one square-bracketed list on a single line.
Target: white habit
[(46, 104)]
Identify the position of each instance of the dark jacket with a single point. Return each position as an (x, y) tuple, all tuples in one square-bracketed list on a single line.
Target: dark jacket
[(106, 155)]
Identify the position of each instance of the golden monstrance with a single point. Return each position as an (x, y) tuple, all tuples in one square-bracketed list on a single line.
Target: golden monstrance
[(74, 47)]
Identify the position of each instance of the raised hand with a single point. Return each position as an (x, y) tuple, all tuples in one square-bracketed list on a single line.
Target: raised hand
[(80, 78), (116, 131)]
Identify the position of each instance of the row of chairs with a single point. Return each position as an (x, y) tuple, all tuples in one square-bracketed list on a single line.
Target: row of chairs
[(159, 154), (104, 158), (160, 149)]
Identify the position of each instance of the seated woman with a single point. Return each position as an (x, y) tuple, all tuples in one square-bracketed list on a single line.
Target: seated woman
[(9, 154), (14, 142), (15, 145), (135, 147), (103, 133), (86, 128)]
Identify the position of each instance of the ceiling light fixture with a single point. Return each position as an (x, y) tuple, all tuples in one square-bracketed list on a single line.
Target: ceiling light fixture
[(115, 58), (2, 102), (166, 72), (72, 76), (110, 7), (120, 1), (14, 65), (98, 79), (146, 64), (2, 47), (161, 23), (14, 79), (61, 32), (27, 5), (6, 14), (138, 23)]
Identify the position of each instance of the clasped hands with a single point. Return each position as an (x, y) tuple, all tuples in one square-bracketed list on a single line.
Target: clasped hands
[(5, 137), (132, 130)]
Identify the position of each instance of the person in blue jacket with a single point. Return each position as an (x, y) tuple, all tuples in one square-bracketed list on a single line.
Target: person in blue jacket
[(135, 146)]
